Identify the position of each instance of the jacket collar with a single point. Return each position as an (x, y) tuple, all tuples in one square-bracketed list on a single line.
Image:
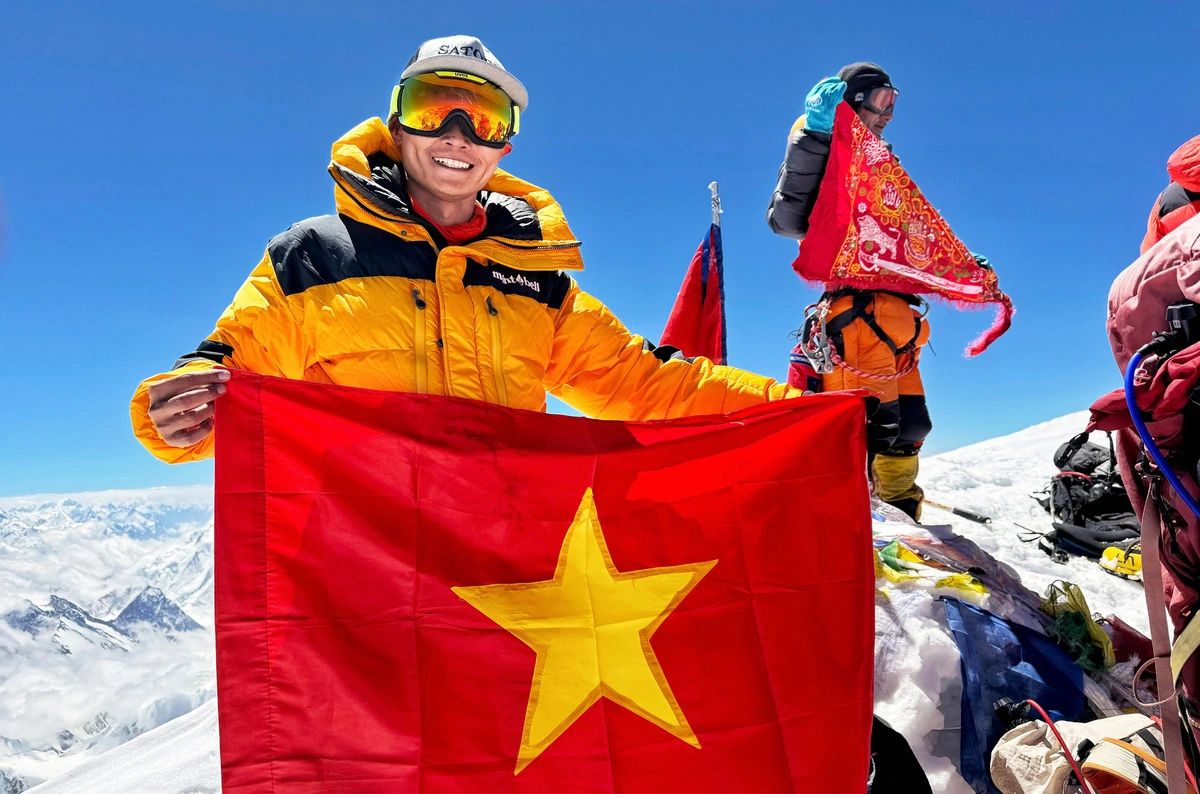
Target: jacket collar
[(526, 228)]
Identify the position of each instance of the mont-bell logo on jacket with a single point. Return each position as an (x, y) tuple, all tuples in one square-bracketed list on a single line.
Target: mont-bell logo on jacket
[(518, 280)]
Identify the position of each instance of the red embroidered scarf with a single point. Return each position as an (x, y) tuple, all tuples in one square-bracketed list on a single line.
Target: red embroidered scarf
[(873, 228)]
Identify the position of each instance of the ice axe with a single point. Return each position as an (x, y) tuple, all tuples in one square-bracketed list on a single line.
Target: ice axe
[(958, 511)]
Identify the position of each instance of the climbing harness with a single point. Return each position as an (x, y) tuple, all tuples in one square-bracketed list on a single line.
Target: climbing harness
[(820, 337)]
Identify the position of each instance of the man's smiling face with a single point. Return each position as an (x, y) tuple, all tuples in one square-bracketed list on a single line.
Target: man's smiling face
[(450, 167)]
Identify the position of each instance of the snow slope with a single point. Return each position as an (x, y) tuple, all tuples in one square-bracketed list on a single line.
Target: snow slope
[(917, 692), (180, 758)]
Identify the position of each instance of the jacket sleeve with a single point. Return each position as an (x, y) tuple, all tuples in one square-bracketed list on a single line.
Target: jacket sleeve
[(258, 332), (601, 369), (799, 180)]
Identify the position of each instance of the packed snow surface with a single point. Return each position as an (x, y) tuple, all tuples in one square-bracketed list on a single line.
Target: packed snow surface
[(917, 680)]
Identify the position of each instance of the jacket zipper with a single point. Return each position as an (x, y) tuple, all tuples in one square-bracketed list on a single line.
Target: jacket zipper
[(547, 247), (497, 353), (419, 345)]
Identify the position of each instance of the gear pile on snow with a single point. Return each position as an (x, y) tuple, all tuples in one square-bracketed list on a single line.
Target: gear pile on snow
[(961, 645), (1087, 503)]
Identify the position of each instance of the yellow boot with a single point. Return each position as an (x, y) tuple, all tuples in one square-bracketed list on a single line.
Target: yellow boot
[(896, 482)]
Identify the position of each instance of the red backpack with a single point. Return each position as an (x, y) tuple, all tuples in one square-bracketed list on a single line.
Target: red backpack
[(1165, 375)]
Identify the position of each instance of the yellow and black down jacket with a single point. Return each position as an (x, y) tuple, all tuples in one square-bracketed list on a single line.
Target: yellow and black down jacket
[(374, 297)]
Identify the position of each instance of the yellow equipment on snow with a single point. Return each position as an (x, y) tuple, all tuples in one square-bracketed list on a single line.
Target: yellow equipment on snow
[(1123, 562)]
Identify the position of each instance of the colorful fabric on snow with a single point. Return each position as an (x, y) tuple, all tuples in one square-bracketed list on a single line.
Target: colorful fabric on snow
[(418, 593), (1001, 659), (697, 322), (1074, 628), (872, 228)]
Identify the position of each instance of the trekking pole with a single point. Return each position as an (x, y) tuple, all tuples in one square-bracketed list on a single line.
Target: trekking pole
[(958, 511)]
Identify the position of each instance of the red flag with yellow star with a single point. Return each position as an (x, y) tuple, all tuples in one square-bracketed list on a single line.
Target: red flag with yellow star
[(418, 593)]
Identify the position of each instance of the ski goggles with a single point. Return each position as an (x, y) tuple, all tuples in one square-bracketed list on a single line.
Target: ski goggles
[(881, 101), (427, 104)]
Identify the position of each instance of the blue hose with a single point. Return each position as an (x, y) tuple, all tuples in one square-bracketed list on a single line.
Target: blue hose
[(1139, 425)]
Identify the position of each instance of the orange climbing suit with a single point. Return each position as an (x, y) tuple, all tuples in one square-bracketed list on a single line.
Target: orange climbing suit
[(881, 334)]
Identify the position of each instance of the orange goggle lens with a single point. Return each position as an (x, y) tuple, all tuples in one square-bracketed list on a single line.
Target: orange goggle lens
[(882, 101), (425, 102)]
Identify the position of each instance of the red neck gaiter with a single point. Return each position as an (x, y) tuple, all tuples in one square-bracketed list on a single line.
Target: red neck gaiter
[(459, 233)]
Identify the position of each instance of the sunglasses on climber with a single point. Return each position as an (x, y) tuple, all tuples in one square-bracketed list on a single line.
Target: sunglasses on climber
[(427, 104), (881, 101)]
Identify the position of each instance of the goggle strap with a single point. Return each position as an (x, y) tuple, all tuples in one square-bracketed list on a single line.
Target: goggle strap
[(470, 78)]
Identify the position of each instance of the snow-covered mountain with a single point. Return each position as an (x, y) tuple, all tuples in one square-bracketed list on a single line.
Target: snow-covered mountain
[(152, 610), (101, 549), (105, 603), (163, 538), (66, 625)]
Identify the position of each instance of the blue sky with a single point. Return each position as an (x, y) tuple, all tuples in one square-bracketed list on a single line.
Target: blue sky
[(150, 150)]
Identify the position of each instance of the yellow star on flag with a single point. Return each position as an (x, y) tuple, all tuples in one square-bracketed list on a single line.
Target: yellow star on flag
[(590, 626)]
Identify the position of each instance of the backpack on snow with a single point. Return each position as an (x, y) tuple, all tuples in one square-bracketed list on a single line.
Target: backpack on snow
[(1130, 765), (1087, 502)]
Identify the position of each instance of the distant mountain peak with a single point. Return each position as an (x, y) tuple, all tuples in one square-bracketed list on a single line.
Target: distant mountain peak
[(30, 619), (152, 607), (69, 610), (68, 624)]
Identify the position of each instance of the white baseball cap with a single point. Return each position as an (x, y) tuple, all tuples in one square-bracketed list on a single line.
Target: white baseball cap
[(465, 54)]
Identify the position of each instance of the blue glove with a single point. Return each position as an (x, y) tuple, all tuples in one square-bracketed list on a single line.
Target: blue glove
[(982, 260), (821, 103)]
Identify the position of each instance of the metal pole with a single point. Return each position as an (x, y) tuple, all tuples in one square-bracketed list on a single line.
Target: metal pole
[(978, 518), (716, 204)]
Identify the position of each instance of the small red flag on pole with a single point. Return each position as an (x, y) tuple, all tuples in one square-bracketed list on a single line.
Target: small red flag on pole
[(697, 322)]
